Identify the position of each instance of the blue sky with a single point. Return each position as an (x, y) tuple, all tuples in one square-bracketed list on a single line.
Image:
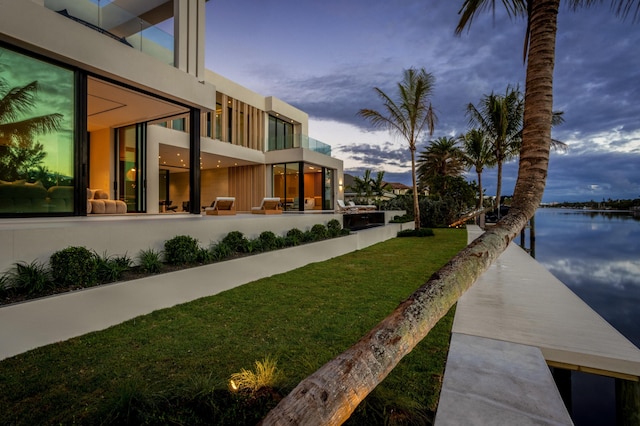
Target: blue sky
[(326, 57)]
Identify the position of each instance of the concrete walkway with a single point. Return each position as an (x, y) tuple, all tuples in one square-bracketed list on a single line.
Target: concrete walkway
[(36, 323), (514, 322)]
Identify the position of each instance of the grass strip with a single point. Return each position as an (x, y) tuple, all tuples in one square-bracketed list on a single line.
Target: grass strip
[(173, 365)]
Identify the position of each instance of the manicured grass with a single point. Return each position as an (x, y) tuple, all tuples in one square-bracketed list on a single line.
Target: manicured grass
[(173, 366)]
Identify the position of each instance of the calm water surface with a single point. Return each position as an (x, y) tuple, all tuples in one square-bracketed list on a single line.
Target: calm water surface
[(597, 255)]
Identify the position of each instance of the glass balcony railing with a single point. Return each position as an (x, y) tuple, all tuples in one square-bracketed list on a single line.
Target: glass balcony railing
[(107, 18), (299, 141), (304, 141)]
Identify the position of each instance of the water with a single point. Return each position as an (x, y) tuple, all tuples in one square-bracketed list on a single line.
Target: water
[(597, 255)]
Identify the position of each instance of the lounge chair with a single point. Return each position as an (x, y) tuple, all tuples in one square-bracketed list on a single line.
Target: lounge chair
[(368, 207), (342, 208), (222, 206), (268, 206)]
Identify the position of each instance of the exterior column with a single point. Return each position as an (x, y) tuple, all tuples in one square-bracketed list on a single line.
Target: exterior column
[(194, 161), (189, 36)]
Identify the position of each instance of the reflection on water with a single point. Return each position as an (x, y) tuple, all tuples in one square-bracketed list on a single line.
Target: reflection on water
[(597, 255)]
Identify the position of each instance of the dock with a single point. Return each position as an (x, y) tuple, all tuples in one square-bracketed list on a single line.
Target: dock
[(514, 323)]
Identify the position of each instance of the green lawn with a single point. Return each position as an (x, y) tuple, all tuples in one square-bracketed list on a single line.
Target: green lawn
[(173, 366)]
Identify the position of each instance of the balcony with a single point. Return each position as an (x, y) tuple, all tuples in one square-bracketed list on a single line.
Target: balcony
[(107, 18), (299, 141)]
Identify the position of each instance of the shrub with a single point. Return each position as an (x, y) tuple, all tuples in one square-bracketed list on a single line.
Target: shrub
[(294, 237), (4, 285), (74, 266), (150, 261), (205, 255), (319, 232), (181, 250), (237, 242), (111, 268), (269, 241), (221, 251), (30, 278), (334, 227), (422, 232), (402, 219)]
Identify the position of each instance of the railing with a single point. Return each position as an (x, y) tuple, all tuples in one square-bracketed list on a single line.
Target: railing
[(300, 141), (119, 24)]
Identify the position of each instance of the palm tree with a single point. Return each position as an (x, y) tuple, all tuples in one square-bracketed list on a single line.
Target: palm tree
[(15, 103), (378, 185), (362, 185), (330, 395), (18, 150), (477, 154), (407, 116), (500, 117), (442, 157)]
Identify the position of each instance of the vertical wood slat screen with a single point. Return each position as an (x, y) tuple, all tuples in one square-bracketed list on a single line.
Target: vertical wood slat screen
[(247, 184)]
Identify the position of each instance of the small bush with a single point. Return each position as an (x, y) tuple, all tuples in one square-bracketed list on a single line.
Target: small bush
[(221, 251), (402, 219), (28, 278), (74, 266), (4, 285), (150, 261), (181, 250), (205, 256), (269, 241), (294, 237), (237, 242), (319, 232), (334, 227), (422, 232), (111, 268)]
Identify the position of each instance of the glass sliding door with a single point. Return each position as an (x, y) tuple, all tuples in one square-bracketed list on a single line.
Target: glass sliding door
[(131, 149), (327, 201), (286, 185)]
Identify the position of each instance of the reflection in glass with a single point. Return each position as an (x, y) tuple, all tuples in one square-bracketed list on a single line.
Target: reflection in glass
[(36, 136)]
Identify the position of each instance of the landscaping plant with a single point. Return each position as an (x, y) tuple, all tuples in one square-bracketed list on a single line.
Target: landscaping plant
[(28, 278), (181, 250), (74, 266), (150, 261)]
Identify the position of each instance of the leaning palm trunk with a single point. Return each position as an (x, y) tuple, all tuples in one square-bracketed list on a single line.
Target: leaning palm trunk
[(331, 394), (416, 202), (480, 193)]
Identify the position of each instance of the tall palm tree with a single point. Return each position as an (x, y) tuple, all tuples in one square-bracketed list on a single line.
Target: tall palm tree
[(330, 395), (478, 154), (500, 117), (442, 157), (408, 115)]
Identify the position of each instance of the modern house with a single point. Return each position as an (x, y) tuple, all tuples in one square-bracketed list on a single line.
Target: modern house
[(127, 108)]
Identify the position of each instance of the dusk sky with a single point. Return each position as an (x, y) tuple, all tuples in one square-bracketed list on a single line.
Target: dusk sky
[(326, 57)]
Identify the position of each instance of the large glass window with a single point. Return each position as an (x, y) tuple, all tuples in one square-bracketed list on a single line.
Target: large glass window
[(36, 136), (280, 134), (286, 185)]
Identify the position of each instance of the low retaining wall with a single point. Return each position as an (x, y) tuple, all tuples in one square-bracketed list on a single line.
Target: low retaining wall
[(26, 240)]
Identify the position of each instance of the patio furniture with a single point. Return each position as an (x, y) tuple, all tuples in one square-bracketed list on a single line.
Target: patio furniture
[(222, 206), (368, 207), (342, 208), (269, 205)]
